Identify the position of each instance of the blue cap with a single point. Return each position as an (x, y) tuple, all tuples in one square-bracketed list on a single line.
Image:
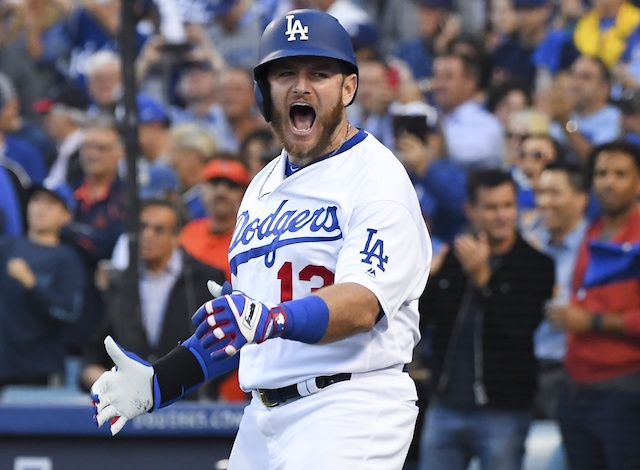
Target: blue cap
[(529, 3), (446, 4), (364, 35), (151, 111), (61, 192), (162, 182)]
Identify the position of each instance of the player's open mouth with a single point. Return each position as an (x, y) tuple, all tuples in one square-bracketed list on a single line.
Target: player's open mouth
[(302, 117)]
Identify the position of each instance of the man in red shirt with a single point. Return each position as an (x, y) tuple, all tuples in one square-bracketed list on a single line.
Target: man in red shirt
[(600, 412), (223, 183)]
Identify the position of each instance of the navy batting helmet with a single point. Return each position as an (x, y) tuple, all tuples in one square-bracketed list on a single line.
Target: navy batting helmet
[(300, 33)]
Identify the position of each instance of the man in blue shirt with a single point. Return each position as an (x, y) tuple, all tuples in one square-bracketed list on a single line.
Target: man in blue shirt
[(561, 200), (473, 136), (583, 115)]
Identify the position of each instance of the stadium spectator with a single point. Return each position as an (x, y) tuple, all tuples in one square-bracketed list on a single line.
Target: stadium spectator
[(104, 81), (257, 149), (439, 183), (630, 116), (21, 72), (362, 29), (609, 31), (223, 183), (534, 48), (29, 163), (583, 116), (197, 88), (503, 23), (64, 112), (156, 179), (484, 308), (507, 98), (521, 124), (190, 148), (93, 27), (397, 22), (37, 30), (99, 217), (238, 101), (42, 283), (536, 152), (172, 285), (473, 49), (474, 137), (598, 413), (561, 198), (235, 32), (437, 25), (378, 84)]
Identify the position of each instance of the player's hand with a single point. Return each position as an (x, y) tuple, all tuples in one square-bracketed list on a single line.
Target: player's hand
[(227, 323), (125, 391)]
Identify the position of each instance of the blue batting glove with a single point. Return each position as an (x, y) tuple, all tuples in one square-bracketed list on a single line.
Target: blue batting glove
[(227, 323)]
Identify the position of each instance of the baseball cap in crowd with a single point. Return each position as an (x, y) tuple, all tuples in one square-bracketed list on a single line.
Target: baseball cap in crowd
[(529, 3), (231, 170), (364, 35), (159, 181), (69, 96), (151, 111), (61, 192), (446, 4)]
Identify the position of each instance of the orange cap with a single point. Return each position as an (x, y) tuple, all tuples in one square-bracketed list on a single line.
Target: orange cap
[(228, 169)]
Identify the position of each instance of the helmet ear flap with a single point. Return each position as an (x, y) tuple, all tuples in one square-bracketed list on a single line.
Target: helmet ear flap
[(263, 97)]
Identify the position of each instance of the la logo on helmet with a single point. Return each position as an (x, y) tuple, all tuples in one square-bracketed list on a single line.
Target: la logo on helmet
[(295, 27)]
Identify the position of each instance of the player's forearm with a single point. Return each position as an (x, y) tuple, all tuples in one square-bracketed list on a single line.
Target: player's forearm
[(353, 309)]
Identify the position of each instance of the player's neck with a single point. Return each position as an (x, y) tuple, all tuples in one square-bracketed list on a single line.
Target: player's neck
[(343, 133)]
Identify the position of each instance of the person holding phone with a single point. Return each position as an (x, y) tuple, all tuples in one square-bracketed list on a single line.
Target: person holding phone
[(439, 183)]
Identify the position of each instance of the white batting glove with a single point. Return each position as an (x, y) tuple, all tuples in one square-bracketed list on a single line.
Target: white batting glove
[(125, 391)]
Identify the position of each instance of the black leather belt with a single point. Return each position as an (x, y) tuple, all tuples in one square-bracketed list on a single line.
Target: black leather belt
[(278, 396)]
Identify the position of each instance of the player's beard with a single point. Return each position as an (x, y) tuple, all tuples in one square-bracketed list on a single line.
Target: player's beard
[(327, 128)]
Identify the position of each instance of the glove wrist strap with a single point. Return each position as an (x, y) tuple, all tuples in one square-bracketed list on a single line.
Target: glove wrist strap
[(175, 374), (307, 319)]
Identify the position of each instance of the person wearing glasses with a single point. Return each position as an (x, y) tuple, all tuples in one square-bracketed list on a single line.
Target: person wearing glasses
[(536, 152), (172, 286)]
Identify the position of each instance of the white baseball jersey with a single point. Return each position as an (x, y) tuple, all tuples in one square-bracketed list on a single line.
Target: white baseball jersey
[(353, 217)]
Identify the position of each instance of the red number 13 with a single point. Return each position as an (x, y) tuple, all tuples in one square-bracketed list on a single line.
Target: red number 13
[(285, 274)]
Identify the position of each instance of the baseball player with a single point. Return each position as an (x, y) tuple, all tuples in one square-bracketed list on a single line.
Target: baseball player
[(328, 259)]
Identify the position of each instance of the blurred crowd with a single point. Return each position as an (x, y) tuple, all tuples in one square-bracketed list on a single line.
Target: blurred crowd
[(471, 95)]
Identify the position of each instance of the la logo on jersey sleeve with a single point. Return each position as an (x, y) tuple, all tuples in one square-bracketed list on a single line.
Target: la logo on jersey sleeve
[(373, 253)]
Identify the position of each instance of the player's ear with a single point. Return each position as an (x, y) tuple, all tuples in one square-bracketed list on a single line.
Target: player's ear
[(349, 87)]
